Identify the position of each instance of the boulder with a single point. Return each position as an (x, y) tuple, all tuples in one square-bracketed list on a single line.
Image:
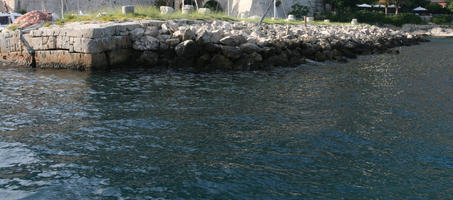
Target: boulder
[(221, 62), (137, 33), (250, 47), (186, 49), (234, 40), (172, 42), (231, 52), (148, 58), (152, 31)]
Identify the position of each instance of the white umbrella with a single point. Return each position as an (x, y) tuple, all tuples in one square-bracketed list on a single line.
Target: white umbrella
[(364, 5), (392, 6), (420, 9), (379, 6)]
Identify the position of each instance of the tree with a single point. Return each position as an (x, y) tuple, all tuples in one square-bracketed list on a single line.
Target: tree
[(450, 5), (386, 3)]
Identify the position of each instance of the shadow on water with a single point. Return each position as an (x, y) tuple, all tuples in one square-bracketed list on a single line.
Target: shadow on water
[(377, 127)]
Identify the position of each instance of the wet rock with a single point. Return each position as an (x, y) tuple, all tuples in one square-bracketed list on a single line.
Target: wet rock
[(233, 40), (148, 58), (250, 47), (231, 52), (221, 62), (186, 49)]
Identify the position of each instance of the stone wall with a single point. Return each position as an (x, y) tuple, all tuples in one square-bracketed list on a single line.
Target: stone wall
[(71, 5)]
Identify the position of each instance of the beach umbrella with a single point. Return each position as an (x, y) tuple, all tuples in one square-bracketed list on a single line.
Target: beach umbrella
[(364, 5), (420, 9), (379, 6)]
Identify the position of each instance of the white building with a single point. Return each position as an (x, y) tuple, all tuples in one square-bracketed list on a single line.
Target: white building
[(236, 8), (253, 8)]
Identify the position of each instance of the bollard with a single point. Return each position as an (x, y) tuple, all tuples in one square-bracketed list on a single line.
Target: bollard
[(128, 10)]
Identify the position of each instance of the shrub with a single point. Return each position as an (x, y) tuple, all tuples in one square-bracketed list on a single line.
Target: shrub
[(299, 11), (442, 19), (372, 17), (160, 3), (405, 18)]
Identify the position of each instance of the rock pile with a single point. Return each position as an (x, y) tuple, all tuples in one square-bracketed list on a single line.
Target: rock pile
[(195, 44), (210, 45), (429, 30)]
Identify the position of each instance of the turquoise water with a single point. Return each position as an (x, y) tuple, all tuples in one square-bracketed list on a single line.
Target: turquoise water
[(378, 127)]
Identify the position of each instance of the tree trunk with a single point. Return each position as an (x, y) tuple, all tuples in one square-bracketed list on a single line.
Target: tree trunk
[(396, 7), (386, 9)]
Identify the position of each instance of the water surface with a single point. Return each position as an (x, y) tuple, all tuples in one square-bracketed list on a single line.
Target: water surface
[(379, 127)]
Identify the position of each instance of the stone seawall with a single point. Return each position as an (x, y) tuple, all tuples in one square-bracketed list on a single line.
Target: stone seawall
[(192, 44)]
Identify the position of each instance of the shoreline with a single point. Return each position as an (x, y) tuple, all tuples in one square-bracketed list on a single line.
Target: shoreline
[(204, 45)]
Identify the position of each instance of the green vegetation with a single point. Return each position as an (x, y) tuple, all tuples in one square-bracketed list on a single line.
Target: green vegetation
[(442, 19), (151, 12), (450, 5), (378, 18), (12, 27), (299, 11), (141, 12), (437, 9)]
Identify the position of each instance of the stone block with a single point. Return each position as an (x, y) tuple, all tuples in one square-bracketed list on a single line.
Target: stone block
[(291, 18), (354, 22), (187, 9), (204, 11), (166, 10), (128, 9)]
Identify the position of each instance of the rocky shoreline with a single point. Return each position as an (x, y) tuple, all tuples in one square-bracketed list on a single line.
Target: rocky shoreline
[(198, 45), (431, 30)]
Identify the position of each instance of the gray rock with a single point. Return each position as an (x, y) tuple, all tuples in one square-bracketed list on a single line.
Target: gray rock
[(186, 49), (231, 52), (137, 33), (234, 40), (146, 44), (250, 47), (152, 31), (173, 42), (221, 62), (148, 58), (185, 34)]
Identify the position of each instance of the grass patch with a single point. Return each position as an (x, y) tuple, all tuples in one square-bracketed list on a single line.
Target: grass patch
[(151, 12)]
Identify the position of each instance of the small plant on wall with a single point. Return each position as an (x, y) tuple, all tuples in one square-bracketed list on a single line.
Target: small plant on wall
[(299, 10)]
